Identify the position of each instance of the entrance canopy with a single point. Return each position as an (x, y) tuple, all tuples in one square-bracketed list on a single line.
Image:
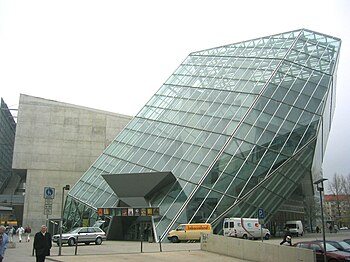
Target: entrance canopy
[(134, 188)]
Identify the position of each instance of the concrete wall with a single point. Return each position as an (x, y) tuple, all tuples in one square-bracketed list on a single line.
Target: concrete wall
[(55, 144), (254, 250)]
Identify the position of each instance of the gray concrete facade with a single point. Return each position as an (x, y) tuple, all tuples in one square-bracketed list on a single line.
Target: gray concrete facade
[(55, 144)]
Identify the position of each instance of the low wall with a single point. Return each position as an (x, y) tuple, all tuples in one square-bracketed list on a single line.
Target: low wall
[(254, 250)]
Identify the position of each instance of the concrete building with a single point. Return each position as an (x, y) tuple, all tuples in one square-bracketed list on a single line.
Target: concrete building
[(55, 144), (235, 129)]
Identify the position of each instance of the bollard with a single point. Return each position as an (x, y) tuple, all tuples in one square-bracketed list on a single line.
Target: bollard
[(160, 244), (141, 243), (76, 246)]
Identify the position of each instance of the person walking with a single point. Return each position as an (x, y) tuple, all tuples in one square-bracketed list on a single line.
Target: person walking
[(10, 231), (317, 229), (42, 244), (20, 232), (28, 230), (4, 239)]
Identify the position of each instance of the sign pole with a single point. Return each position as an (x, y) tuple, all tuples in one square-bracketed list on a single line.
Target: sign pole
[(261, 217), (49, 195)]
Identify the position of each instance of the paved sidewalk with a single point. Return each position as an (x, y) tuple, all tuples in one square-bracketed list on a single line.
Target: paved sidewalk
[(119, 251), (127, 250)]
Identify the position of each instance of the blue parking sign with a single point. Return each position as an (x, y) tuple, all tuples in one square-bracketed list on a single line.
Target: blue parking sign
[(49, 193), (261, 214)]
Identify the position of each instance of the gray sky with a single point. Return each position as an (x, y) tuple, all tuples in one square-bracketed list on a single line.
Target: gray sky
[(114, 55)]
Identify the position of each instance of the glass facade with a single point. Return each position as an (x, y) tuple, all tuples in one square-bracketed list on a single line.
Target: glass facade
[(7, 141), (238, 126)]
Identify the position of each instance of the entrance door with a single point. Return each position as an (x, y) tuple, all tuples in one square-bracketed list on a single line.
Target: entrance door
[(130, 228)]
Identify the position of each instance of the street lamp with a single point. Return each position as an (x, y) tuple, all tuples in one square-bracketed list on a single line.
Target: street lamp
[(320, 188), (67, 187)]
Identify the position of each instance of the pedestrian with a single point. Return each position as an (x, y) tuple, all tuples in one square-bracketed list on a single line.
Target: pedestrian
[(28, 230), (4, 239), (287, 237), (42, 244), (145, 233), (336, 228), (317, 229), (330, 229), (20, 231), (9, 233)]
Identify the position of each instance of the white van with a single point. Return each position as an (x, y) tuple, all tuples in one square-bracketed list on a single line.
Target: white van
[(244, 228), (295, 227)]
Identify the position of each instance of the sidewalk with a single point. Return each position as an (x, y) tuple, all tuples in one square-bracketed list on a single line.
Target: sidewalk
[(127, 250), (119, 251)]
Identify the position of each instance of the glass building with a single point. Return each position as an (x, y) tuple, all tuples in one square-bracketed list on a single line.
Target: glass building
[(235, 128), (7, 141)]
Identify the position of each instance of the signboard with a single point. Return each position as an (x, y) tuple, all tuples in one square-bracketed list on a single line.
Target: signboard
[(129, 211), (261, 216), (49, 192), (48, 211), (48, 206)]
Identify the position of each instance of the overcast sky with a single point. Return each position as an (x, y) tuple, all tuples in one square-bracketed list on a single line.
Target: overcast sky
[(114, 55)]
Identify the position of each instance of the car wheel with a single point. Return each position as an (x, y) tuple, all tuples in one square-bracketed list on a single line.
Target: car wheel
[(175, 239), (245, 236), (71, 242), (267, 237), (98, 241)]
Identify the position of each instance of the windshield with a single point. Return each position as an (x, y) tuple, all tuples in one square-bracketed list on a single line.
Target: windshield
[(344, 244), (329, 247), (291, 225)]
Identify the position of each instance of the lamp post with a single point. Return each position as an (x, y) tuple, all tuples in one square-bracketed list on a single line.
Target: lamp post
[(320, 188), (67, 187)]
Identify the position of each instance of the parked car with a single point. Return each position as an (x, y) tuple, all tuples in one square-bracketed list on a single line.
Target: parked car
[(333, 254), (344, 228), (347, 240), (83, 235), (340, 245)]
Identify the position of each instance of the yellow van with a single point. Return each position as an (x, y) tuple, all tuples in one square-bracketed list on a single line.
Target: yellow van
[(186, 232)]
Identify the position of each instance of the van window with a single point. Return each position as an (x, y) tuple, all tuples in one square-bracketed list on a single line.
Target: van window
[(230, 224), (180, 228)]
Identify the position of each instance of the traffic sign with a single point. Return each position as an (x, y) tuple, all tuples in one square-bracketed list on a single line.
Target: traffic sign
[(261, 214), (48, 207), (49, 192), (48, 201), (48, 211)]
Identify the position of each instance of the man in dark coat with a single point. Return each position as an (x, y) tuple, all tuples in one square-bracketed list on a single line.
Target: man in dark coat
[(42, 244)]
